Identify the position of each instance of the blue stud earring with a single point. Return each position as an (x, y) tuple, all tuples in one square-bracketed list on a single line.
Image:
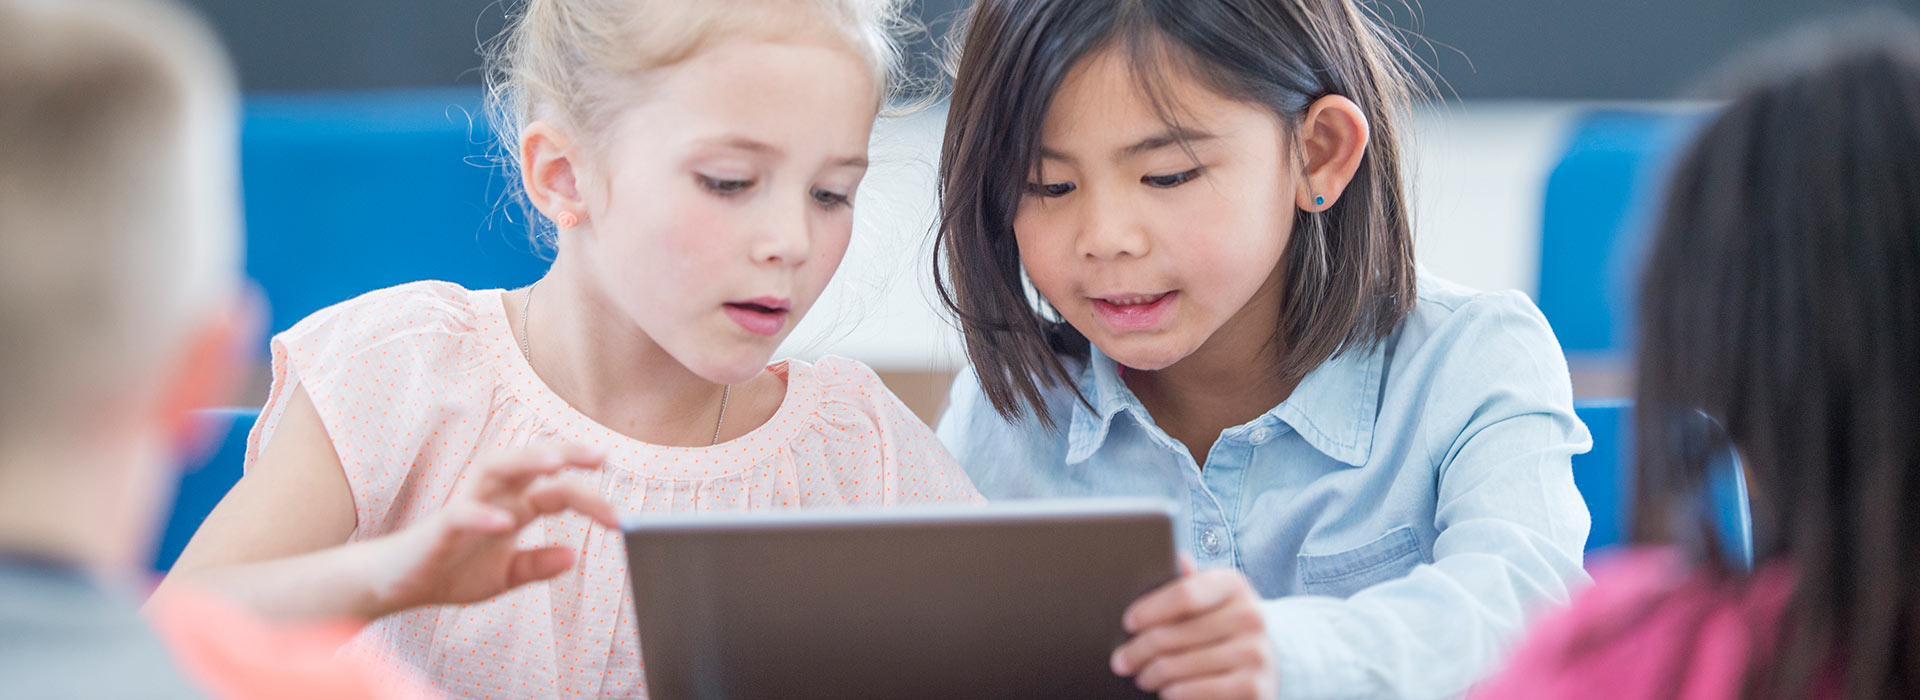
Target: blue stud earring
[(1319, 201)]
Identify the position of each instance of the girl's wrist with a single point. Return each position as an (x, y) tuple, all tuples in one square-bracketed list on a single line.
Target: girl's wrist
[(371, 590)]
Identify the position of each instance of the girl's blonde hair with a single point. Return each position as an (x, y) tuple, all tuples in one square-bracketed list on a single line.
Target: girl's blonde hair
[(568, 60)]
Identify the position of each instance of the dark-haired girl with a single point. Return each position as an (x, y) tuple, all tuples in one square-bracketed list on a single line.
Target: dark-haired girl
[(1176, 235), (1780, 316)]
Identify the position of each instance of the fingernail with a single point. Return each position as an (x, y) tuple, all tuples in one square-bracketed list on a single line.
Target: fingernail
[(1119, 664)]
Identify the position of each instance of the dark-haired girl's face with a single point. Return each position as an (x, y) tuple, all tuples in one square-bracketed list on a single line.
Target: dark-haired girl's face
[(1150, 249)]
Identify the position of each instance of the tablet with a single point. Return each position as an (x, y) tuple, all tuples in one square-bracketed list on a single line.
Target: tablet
[(1013, 600)]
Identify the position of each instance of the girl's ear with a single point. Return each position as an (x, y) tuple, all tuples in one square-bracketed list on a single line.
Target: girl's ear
[(548, 172), (1332, 140)]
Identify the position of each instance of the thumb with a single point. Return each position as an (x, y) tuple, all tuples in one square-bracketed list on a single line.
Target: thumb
[(530, 565)]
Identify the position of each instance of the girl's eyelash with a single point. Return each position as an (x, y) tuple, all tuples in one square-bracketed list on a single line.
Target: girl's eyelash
[(726, 188), (1170, 181), (1051, 190), (829, 199), (723, 187)]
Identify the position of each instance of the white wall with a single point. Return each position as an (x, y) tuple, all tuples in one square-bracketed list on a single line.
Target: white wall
[(1478, 172)]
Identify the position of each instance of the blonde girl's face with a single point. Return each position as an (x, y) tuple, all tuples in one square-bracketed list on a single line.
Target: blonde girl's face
[(722, 201), (1150, 250)]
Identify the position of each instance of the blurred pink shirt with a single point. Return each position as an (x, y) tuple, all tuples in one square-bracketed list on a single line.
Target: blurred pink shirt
[(1650, 628), (413, 381)]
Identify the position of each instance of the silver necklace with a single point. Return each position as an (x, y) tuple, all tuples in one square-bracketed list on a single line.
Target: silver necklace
[(526, 348)]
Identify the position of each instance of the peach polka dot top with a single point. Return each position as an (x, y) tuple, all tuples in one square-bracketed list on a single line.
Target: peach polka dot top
[(413, 381)]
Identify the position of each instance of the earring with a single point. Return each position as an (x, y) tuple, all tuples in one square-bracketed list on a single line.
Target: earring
[(1319, 201), (566, 219)]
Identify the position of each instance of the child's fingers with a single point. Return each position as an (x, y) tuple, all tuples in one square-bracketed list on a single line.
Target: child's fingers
[(1188, 596), (530, 565), (473, 517), (1242, 652), (1236, 685), (1240, 619), (511, 472), (557, 495)]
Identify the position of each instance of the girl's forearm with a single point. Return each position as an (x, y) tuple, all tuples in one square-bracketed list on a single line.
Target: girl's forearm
[(334, 583)]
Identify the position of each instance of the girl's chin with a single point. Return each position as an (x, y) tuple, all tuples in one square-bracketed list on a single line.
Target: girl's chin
[(1150, 355)]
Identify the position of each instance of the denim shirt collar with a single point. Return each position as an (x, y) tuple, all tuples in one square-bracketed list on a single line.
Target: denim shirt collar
[(1333, 408)]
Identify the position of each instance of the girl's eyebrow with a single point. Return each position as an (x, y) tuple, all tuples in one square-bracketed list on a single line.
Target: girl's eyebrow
[(762, 148), (1172, 136), (742, 143)]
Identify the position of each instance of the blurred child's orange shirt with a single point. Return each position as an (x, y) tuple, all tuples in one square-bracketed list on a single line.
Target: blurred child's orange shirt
[(236, 656)]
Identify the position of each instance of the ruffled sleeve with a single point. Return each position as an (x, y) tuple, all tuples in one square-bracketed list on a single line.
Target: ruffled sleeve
[(395, 376), (879, 452)]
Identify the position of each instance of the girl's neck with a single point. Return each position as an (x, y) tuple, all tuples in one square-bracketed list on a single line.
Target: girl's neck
[(610, 370), (1200, 396)]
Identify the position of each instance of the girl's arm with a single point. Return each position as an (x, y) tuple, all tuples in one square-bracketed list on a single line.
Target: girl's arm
[(1498, 425), (1511, 530), (1495, 423), (278, 542)]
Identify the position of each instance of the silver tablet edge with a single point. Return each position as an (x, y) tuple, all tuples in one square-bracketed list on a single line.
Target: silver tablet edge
[(918, 514)]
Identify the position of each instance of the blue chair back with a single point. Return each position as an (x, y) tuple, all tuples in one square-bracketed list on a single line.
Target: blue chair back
[(1599, 205), (346, 193), (203, 482), (1605, 479)]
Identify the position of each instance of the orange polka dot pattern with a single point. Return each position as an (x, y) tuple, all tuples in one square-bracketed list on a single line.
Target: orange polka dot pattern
[(413, 381)]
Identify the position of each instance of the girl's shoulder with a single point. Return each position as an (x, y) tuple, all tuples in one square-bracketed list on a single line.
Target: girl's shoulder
[(876, 448), (381, 367), (431, 322), (968, 406), (1650, 626), (998, 450), (843, 393), (1448, 310), (1461, 348)]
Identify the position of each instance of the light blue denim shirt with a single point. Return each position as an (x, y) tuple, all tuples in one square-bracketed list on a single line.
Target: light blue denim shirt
[(1406, 511)]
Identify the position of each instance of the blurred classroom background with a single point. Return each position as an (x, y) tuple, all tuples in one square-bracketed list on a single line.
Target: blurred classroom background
[(368, 163)]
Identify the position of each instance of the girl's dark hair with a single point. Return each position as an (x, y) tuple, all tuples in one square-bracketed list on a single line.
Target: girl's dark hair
[(1348, 272), (1780, 314)]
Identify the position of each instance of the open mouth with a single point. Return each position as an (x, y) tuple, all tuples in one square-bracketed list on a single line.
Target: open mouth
[(763, 316), (1136, 300), (1134, 312)]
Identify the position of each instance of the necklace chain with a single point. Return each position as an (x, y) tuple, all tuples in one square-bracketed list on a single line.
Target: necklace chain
[(526, 349)]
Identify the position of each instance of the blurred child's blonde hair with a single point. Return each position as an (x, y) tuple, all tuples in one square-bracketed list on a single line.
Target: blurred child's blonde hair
[(576, 62), (117, 201)]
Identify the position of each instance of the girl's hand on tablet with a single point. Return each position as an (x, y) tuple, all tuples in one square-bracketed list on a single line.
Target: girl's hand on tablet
[(1200, 636), (466, 552)]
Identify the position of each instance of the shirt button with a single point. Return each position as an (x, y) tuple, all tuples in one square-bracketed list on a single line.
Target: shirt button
[(1210, 541), (1261, 434)]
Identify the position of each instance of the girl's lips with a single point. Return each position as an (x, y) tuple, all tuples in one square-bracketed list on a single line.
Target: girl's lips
[(1134, 312), (758, 318)]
